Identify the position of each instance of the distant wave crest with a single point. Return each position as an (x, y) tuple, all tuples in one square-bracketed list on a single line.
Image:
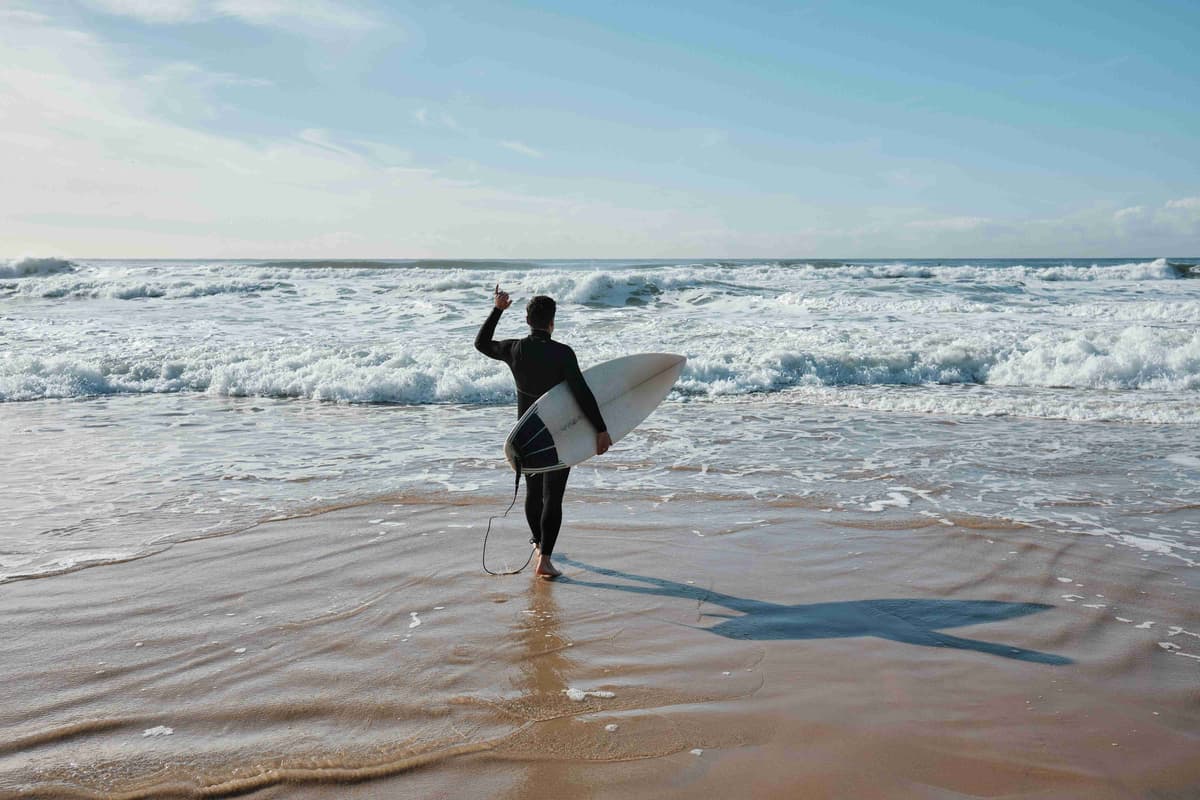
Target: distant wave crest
[(141, 289), (28, 267)]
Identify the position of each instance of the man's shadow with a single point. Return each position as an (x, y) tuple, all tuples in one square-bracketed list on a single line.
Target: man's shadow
[(912, 621)]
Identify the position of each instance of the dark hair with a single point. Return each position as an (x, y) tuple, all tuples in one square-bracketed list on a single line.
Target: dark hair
[(540, 312)]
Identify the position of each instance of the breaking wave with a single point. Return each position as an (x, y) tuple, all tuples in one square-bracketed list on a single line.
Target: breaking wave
[(27, 267), (1133, 358)]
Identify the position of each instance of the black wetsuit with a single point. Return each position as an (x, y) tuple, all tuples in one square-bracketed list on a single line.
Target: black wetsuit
[(539, 363)]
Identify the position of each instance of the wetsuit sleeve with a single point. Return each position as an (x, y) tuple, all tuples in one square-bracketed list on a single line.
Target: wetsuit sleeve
[(583, 395), (484, 343)]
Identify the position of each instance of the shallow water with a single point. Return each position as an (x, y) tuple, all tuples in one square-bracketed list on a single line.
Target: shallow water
[(151, 402), (88, 484), (942, 519), (319, 656)]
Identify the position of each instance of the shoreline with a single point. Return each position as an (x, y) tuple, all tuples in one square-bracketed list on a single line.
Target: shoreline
[(779, 645)]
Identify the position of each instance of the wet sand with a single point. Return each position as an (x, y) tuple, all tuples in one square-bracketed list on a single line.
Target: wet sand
[(704, 645)]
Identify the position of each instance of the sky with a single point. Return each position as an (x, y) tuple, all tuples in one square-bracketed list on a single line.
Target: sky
[(673, 129)]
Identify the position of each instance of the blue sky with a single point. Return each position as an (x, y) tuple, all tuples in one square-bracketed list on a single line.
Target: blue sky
[(276, 128)]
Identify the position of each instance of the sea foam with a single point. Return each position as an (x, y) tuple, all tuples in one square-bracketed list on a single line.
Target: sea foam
[(29, 266), (400, 332)]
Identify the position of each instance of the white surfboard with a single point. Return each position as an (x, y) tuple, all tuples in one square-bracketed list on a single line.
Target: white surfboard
[(553, 433)]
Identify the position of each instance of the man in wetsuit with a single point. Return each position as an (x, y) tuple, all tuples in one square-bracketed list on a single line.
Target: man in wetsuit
[(538, 363)]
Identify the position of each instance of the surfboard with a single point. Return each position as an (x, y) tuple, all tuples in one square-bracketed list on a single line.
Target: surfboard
[(553, 433)]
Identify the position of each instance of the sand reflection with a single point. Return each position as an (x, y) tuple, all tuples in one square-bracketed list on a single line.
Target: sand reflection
[(543, 681)]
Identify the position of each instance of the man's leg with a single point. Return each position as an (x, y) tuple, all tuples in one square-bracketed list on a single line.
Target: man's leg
[(533, 506), (553, 491)]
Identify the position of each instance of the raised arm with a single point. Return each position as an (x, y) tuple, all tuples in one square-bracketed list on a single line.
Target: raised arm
[(484, 342)]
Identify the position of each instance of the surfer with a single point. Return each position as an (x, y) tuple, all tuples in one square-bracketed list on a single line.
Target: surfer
[(539, 363)]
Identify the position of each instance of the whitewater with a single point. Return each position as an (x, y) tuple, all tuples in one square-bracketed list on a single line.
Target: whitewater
[(400, 332), (213, 394)]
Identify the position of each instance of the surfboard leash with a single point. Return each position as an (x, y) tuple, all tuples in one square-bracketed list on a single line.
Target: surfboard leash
[(516, 489)]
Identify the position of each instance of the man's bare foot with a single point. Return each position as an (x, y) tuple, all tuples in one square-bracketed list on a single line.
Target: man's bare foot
[(545, 569)]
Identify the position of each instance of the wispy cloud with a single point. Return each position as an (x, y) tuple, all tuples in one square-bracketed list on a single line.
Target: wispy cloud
[(190, 90), (1185, 204), (311, 14), (184, 71), (912, 180), (283, 13), (322, 139), (166, 12), (22, 15), (388, 155), (429, 119), (521, 147), (948, 224), (104, 173)]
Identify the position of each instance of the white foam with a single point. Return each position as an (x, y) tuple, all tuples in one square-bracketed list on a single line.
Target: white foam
[(158, 730), (30, 266), (415, 620), (1093, 342), (1146, 544), (1185, 460), (579, 695), (1024, 349), (895, 499)]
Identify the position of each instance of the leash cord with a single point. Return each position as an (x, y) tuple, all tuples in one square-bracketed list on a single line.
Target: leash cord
[(516, 489)]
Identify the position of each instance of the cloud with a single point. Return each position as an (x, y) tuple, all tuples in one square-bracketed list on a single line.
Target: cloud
[(1185, 204), (21, 15), (427, 119), (948, 224), (385, 154), (320, 138), (522, 148), (284, 13), (909, 179), (103, 170), (309, 14), (1171, 227), (166, 12), (1133, 212), (187, 72), (188, 90), (103, 173)]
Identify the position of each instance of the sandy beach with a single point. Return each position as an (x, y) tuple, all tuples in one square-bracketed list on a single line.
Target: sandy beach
[(868, 332), (701, 645)]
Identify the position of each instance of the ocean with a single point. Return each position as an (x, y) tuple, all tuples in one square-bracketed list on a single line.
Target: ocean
[(145, 403), (940, 518)]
